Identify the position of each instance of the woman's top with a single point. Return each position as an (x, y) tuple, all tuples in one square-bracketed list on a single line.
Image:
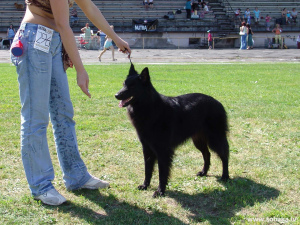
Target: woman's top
[(11, 32), (45, 4)]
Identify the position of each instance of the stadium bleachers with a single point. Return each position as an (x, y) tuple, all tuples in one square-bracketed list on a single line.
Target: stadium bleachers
[(120, 13)]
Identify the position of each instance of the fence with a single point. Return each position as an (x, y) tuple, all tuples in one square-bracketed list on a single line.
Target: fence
[(287, 41)]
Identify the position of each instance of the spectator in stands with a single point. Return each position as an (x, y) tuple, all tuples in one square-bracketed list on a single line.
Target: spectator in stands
[(268, 19), (277, 31), (256, 15), (209, 39), (146, 5), (283, 16), (108, 45), (205, 7), (11, 33), (151, 4), (248, 15), (294, 14), (243, 34), (87, 35), (288, 17), (74, 16), (237, 14), (249, 37), (195, 5), (188, 8), (44, 91)]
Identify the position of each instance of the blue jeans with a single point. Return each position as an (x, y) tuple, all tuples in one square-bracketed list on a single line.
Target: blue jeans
[(44, 90), (243, 41)]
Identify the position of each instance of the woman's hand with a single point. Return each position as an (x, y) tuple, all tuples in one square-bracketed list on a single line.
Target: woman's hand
[(83, 82), (123, 46)]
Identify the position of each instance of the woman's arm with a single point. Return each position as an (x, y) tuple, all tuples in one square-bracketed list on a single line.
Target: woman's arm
[(60, 11), (96, 17)]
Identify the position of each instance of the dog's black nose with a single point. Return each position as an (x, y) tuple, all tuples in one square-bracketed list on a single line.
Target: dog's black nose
[(116, 95)]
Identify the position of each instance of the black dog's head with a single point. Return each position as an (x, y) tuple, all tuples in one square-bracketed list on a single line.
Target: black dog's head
[(134, 87)]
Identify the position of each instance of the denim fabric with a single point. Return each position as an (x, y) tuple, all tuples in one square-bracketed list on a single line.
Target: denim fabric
[(243, 41), (44, 90)]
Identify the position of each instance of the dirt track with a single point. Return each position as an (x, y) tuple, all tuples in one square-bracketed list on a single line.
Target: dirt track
[(186, 56)]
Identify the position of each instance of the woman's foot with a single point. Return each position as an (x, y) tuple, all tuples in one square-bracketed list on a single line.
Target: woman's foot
[(51, 197), (95, 183)]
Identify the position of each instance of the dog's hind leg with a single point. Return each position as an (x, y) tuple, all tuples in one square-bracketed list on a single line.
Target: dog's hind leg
[(164, 166), (201, 144), (149, 161), (219, 144)]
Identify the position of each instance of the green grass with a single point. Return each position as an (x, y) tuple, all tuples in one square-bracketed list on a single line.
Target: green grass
[(262, 102)]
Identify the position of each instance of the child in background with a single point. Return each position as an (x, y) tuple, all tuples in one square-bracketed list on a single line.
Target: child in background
[(268, 19), (209, 38)]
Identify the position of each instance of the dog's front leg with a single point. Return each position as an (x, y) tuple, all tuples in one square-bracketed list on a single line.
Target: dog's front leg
[(164, 166), (149, 160)]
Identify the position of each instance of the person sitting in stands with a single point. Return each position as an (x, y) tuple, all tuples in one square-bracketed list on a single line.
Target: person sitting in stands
[(294, 15), (74, 16), (256, 15), (150, 4)]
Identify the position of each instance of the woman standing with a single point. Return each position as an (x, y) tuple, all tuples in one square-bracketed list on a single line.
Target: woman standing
[(87, 35), (11, 33), (44, 90), (243, 34), (249, 37)]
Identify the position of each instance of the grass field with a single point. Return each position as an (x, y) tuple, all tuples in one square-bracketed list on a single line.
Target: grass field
[(262, 102)]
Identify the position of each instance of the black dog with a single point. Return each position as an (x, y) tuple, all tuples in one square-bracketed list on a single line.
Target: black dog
[(162, 123)]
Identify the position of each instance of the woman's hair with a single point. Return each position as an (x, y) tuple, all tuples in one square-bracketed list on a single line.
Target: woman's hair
[(87, 24), (248, 25), (243, 23)]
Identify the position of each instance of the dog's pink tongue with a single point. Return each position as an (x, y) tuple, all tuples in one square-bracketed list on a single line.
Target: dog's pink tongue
[(121, 104)]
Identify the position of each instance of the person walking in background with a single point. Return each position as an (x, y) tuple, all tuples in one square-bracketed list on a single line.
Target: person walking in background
[(46, 35), (87, 35), (188, 8), (243, 34), (108, 45), (249, 37)]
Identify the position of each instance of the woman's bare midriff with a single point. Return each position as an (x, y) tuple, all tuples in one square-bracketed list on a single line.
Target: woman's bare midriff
[(36, 15)]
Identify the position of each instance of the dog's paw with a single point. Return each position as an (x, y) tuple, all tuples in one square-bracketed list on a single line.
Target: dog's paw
[(202, 173), (157, 194), (142, 187), (225, 178)]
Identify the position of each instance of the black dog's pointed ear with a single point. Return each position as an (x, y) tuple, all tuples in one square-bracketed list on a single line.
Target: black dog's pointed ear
[(132, 71), (145, 77)]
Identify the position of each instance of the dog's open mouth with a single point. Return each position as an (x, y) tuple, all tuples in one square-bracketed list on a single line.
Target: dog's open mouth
[(124, 103)]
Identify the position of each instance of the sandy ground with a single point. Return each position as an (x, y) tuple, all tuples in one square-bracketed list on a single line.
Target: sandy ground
[(156, 56)]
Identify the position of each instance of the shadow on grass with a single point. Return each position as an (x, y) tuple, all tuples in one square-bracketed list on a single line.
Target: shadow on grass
[(215, 205), (218, 206), (113, 211)]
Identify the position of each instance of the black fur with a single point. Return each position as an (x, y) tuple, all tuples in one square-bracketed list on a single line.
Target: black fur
[(162, 123)]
